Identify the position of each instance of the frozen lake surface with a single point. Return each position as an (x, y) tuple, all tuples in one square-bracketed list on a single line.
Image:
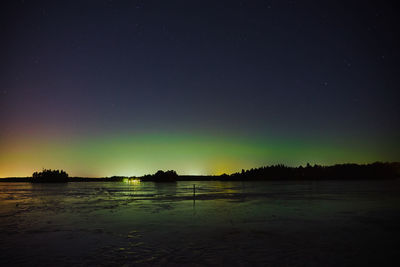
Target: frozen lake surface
[(308, 223)]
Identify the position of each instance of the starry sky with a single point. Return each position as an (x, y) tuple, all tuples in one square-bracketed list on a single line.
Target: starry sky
[(101, 88)]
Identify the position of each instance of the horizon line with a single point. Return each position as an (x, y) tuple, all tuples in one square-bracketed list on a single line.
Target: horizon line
[(278, 164)]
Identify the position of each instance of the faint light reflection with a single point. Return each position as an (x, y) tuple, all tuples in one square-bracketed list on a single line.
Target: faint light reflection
[(132, 181)]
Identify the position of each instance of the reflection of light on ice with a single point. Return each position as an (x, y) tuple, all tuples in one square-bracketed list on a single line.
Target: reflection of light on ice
[(132, 181)]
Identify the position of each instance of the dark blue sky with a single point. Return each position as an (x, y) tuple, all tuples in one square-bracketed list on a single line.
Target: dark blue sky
[(297, 69)]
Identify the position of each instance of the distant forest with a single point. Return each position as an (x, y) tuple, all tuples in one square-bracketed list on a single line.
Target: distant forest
[(377, 170)]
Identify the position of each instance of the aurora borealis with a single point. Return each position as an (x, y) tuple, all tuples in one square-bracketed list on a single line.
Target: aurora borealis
[(134, 155), (102, 88)]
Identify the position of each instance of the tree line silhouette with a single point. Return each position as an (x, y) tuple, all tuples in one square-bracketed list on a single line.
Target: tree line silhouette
[(349, 171), (377, 170)]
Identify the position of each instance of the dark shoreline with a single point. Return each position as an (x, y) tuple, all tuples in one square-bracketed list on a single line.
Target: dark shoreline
[(373, 171)]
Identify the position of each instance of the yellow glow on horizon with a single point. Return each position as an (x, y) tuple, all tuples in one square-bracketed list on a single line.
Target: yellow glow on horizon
[(139, 154), (225, 166)]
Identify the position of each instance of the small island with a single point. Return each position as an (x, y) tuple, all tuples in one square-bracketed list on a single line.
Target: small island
[(50, 176), (161, 176)]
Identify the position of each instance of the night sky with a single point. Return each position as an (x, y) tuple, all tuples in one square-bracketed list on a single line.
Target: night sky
[(101, 88)]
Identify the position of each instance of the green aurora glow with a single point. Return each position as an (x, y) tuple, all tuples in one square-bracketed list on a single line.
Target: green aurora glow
[(138, 154)]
